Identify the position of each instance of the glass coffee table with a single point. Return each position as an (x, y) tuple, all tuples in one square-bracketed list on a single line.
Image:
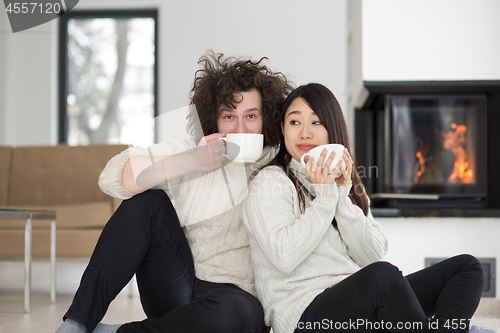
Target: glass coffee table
[(29, 216)]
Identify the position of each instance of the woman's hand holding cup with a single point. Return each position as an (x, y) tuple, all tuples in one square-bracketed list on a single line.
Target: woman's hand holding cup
[(322, 175), (345, 178)]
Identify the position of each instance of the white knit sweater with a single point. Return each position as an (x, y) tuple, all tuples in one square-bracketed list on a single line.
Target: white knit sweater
[(296, 256), (209, 209)]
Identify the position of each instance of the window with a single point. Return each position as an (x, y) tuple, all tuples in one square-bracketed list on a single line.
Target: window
[(108, 77)]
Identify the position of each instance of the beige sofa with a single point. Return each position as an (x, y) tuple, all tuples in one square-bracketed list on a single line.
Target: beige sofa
[(61, 178)]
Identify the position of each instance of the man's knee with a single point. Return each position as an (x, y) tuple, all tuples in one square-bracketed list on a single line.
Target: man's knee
[(150, 201), (239, 311), (149, 196)]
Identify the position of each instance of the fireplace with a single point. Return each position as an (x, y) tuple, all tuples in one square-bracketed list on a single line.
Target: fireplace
[(431, 148)]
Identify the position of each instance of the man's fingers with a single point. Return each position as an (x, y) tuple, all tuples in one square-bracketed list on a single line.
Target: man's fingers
[(214, 136), (210, 138), (210, 156)]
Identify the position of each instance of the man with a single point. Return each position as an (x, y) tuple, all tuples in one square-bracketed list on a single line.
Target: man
[(192, 262)]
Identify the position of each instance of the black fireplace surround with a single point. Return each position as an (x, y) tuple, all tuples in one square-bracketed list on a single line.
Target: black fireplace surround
[(430, 148)]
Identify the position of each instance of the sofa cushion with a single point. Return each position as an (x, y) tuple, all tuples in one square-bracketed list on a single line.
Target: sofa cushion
[(58, 175), (86, 215), (70, 243)]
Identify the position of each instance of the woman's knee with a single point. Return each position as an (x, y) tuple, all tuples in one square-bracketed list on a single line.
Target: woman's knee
[(469, 261), (382, 269), (383, 275), (471, 264)]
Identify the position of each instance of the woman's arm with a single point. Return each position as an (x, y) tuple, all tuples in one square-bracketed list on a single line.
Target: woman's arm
[(363, 235), (268, 213)]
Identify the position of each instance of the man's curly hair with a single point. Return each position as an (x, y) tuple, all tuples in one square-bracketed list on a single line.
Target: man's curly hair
[(218, 83)]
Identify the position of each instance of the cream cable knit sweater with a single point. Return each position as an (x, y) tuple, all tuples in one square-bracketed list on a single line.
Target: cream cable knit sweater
[(209, 209), (297, 256)]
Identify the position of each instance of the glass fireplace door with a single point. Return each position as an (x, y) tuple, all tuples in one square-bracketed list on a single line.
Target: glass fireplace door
[(436, 145)]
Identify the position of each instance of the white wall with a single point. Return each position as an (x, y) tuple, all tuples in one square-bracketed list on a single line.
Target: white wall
[(304, 40), (355, 60), (28, 85), (431, 40), (411, 240), (3, 34)]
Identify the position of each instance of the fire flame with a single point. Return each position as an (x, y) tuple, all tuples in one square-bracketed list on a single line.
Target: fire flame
[(454, 140), (421, 153)]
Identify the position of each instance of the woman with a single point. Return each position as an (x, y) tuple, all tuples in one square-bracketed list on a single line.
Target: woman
[(316, 248)]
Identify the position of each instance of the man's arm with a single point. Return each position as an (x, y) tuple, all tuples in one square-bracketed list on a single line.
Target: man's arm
[(141, 173)]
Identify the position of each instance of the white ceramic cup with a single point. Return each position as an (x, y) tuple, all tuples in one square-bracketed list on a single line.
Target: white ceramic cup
[(244, 147), (316, 152)]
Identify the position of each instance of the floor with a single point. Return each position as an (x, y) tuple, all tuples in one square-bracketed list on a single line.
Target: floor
[(488, 314), (46, 317)]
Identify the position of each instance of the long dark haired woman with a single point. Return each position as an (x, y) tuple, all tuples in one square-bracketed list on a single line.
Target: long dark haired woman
[(317, 250)]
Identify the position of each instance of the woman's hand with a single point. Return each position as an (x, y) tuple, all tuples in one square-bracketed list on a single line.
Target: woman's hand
[(345, 178), (208, 153), (321, 175)]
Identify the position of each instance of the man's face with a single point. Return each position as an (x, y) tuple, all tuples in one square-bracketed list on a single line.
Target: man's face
[(245, 118)]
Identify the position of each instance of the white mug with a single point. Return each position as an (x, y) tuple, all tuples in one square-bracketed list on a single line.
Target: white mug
[(316, 152), (244, 147)]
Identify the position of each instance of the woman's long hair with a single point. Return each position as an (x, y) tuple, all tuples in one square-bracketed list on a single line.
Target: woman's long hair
[(322, 101)]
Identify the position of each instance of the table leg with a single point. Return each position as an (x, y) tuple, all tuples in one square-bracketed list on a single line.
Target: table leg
[(53, 261), (27, 264)]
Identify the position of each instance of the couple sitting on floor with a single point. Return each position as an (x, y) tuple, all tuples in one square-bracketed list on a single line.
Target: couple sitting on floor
[(220, 246)]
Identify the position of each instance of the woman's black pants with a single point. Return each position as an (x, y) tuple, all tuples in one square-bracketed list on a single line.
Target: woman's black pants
[(440, 298), (144, 237)]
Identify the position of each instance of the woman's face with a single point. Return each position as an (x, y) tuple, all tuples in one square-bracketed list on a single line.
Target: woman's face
[(302, 129)]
